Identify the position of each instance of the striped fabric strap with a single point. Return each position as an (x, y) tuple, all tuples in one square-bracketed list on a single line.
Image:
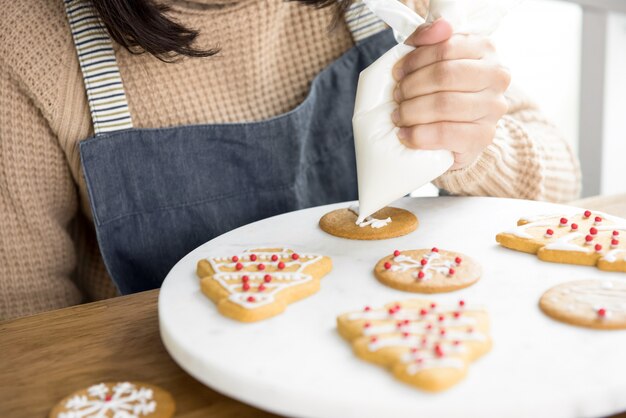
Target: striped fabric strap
[(101, 75), (361, 22)]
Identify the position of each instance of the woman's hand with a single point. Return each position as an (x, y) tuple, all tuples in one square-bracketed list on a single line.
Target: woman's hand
[(450, 92)]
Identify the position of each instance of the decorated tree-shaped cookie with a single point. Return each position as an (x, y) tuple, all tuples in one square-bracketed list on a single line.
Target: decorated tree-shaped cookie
[(585, 237), (424, 344), (256, 284)]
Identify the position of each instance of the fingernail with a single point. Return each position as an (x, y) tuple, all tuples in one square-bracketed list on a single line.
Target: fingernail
[(398, 73), (397, 95), (403, 133), (395, 116)]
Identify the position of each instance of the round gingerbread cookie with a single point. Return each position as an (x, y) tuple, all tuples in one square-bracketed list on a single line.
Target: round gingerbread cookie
[(427, 271), (386, 223), (599, 303), (111, 399)]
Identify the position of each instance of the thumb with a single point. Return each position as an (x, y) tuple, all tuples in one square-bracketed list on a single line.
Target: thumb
[(430, 33)]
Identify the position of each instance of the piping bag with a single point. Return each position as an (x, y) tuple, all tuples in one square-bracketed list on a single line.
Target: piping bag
[(386, 169)]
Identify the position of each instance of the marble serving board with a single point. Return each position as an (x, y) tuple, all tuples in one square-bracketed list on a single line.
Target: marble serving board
[(297, 365)]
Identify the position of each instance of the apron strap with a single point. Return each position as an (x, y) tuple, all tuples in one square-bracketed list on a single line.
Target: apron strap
[(361, 22), (101, 75)]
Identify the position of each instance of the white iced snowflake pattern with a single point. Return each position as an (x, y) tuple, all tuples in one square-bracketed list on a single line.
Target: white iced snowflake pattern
[(125, 400)]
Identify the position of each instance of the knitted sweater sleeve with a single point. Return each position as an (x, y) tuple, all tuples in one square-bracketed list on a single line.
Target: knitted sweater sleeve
[(38, 201), (528, 159)]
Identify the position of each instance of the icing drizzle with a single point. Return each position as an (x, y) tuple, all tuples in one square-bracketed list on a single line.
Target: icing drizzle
[(369, 221), (431, 263), (433, 337), (252, 289), (603, 298)]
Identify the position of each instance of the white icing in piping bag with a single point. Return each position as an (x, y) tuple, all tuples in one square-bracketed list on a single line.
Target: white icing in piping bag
[(386, 169)]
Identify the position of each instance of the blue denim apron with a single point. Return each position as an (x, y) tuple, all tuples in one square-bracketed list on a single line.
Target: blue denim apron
[(157, 194)]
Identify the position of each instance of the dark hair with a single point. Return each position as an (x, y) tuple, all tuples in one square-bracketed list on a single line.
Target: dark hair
[(142, 26)]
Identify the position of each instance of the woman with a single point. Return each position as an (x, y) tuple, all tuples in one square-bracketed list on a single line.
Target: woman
[(250, 119)]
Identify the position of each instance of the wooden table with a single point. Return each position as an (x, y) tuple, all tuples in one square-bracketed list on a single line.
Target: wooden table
[(45, 357)]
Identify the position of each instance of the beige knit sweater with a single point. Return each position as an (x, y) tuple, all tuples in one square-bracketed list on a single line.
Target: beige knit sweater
[(48, 254)]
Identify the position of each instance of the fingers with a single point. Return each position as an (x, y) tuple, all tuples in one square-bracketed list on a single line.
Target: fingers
[(462, 75), (430, 33), (461, 138), (450, 107), (457, 47)]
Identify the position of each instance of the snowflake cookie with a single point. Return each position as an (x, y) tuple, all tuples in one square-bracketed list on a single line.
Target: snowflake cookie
[(427, 271), (599, 303), (585, 238), (258, 284), (386, 223), (422, 343), (116, 400)]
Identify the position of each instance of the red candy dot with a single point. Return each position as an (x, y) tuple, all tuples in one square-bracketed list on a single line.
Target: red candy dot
[(399, 324), (602, 312), (588, 238), (281, 265), (598, 219), (429, 327), (108, 397), (251, 299), (457, 314), (423, 312), (391, 311), (246, 286), (563, 221), (549, 232), (267, 278), (441, 318), (373, 339), (456, 342), (598, 247), (396, 253), (420, 275), (295, 256), (451, 272), (433, 305), (423, 262), (238, 266), (587, 213), (574, 227), (387, 265), (245, 278), (435, 250), (367, 309), (615, 233), (442, 332), (235, 259), (274, 257), (424, 341), (261, 266), (261, 287), (438, 351), (397, 307), (253, 257), (614, 242), (593, 231), (405, 335), (367, 325), (414, 350), (461, 303), (458, 260)]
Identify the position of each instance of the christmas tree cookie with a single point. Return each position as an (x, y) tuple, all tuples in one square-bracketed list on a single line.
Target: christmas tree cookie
[(386, 223), (585, 238), (427, 271), (258, 284), (422, 343)]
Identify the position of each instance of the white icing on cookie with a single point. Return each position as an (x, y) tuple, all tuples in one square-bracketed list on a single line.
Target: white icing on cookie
[(261, 289), (124, 400), (369, 221), (431, 333), (434, 263)]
